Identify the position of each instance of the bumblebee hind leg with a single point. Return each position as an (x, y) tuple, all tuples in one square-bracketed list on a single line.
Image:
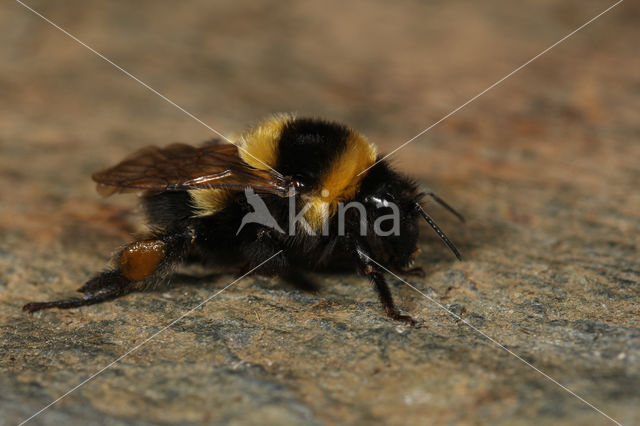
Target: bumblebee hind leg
[(105, 286), (140, 265)]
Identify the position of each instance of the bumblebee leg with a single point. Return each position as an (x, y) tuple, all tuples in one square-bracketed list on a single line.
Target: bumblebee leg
[(385, 297), (105, 286), (384, 294), (140, 265)]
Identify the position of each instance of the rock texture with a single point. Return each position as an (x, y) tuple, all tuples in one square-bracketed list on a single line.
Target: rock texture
[(545, 166)]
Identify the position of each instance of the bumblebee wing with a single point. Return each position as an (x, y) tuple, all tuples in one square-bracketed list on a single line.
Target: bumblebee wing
[(181, 167)]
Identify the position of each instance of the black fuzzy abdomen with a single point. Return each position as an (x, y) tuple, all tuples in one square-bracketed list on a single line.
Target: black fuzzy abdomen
[(167, 209)]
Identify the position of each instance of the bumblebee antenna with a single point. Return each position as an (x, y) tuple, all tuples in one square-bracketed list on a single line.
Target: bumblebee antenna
[(443, 204), (441, 234), (446, 206)]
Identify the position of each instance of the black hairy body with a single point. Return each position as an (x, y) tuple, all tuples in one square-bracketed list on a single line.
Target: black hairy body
[(195, 210)]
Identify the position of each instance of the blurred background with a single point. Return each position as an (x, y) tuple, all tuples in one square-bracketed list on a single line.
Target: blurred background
[(545, 166)]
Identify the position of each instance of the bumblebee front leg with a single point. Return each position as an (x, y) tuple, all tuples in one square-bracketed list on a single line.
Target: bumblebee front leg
[(140, 265), (376, 275)]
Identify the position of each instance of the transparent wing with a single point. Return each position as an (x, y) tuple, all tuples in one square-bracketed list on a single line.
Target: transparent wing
[(181, 167)]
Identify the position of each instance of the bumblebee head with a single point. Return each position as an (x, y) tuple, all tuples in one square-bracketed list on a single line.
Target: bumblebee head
[(393, 210), (390, 201)]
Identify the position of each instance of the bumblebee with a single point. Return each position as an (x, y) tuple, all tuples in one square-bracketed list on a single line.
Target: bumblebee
[(305, 174)]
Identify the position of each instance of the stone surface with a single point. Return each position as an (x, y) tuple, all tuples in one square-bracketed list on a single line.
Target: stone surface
[(545, 167)]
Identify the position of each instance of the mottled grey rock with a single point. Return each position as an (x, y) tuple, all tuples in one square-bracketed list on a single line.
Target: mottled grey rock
[(544, 166)]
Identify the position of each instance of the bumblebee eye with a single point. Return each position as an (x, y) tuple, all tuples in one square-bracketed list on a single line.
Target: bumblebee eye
[(377, 201)]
